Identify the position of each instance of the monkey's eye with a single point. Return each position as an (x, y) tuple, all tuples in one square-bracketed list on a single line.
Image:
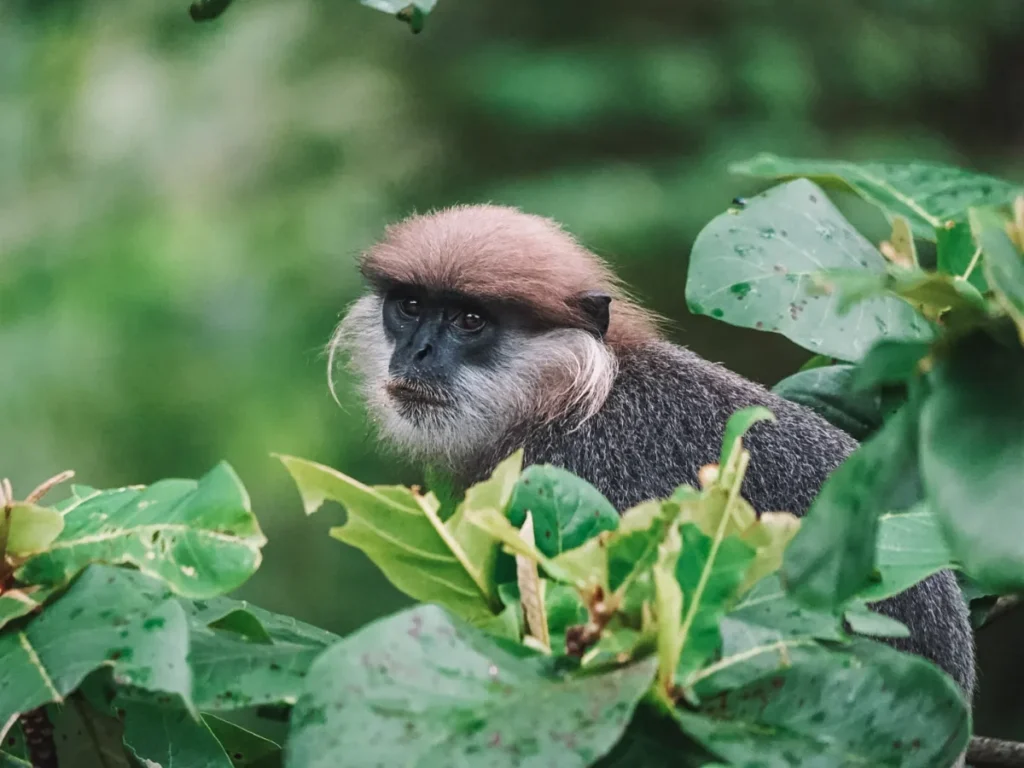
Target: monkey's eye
[(470, 321), (409, 306)]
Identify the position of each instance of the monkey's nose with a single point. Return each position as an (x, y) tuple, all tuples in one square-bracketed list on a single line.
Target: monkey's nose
[(425, 350)]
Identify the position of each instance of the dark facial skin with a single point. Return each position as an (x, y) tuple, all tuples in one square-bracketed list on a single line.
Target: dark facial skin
[(434, 336)]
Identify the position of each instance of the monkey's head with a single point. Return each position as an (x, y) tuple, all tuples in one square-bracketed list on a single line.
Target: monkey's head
[(483, 319)]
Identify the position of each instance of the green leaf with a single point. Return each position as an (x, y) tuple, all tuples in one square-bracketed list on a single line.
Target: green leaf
[(829, 393), (757, 269), (567, 510), (890, 362), (200, 537), (956, 251), (86, 738), (170, 736), (15, 603), (931, 292), (498, 526), (31, 529), (864, 705), (769, 537), (13, 752), (422, 688), (817, 361), (736, 427), (710, 577), (972, 455), (103, 618), (402, 534), (244, 747), (911, 547), (927, 194), (668, 605), (1003, 266), (864, 621), (832, 556), (412, 12)]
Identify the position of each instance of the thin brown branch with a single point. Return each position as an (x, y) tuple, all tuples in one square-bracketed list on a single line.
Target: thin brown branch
[(983, 752), (44, 487)]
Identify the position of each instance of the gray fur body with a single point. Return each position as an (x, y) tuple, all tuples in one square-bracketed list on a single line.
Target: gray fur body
[(664, 419)]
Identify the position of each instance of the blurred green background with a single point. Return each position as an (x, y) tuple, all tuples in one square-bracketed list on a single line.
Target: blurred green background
[(181, 205)]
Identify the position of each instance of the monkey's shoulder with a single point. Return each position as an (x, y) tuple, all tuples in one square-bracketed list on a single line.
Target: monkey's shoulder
[(665, 418)]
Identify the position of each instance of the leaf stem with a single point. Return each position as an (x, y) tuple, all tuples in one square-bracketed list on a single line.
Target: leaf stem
[(974, 262), (694, 601)]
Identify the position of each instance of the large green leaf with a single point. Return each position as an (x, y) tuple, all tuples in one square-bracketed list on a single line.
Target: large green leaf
[(828, 392), (756, 268), (231, 671), (403, 535), (956, 252), (422, 689), (972, 458), (200, 537), (760, 635), (832, 556), (171, 736), (927, 194), (865, 705), (566, 509), (911, 547), (87, 738), (106, 617), (244, 747)]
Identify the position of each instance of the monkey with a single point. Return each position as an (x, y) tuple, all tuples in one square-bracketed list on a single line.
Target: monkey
[(486, 329)]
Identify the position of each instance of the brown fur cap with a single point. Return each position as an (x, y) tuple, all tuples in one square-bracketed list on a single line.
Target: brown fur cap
[(497, 252)]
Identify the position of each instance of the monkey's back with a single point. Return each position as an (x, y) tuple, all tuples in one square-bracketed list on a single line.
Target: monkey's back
[(665, 419)]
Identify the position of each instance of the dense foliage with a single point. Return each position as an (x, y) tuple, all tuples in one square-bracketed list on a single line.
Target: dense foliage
[(691, 628)]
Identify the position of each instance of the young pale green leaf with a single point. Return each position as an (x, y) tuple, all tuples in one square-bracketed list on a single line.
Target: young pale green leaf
[(563, 606), (710, 574), (957, 253), (972, 455), (866, 704), (433, 690), (933, 293), (169, 735), (911, 547), (768, 537), (31, 529), (200, 537), (817, 361), (243, 746), (567, 510), (531, 591), (889, 362), (431, 561), (927, 194), (829, 392), (668, 605), (15, 603), (103, 619), (86, 738), (499, 527), (864, 621), (832, 556), (1003, 265), (757, 269), (900, 248), (732, 442)]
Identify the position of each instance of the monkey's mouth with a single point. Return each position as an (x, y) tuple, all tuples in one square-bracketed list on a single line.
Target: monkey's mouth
[(416, 393)]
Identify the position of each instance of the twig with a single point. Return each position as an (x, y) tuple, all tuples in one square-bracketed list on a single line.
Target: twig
[(44, 487), (983, 751)]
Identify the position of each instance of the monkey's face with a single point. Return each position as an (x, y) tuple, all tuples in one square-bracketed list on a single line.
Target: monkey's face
[(447, 376)]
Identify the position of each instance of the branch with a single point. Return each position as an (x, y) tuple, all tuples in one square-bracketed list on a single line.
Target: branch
[(982, 752)]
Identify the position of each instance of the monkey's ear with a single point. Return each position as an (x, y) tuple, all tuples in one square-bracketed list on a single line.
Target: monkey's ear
[(595, 306)]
